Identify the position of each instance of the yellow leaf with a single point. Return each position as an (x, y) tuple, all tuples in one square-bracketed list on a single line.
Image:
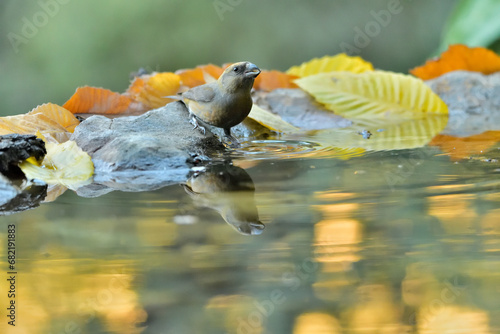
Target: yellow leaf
[(33, 161), (338, 63), (64, 164), (151, 89), (407, 111), (378, 96), (270, 120), (54, 122)]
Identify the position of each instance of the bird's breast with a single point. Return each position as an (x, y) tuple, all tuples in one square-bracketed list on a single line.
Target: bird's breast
[(224, 111)]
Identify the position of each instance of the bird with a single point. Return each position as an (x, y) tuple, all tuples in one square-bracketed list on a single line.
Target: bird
[(230, 191), (223, 103)]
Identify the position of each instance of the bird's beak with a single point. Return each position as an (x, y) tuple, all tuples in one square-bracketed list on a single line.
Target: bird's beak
[(257, 227), (252, 70)]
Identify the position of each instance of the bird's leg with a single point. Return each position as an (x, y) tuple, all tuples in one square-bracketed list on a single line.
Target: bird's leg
[(234, 143), (195, 123)]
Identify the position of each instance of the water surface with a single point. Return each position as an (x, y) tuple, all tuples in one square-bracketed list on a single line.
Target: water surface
[(400, 241)]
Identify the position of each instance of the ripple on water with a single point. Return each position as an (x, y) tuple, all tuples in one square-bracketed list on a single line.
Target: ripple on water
[(290, 149)]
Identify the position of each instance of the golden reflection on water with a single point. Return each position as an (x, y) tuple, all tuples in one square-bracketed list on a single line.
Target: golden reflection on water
[(454, 211), (336, 237), (59, 292), (316, 322), (332, 260)]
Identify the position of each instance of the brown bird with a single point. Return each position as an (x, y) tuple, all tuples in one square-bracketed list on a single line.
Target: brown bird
[(230, 191), (223, 103)]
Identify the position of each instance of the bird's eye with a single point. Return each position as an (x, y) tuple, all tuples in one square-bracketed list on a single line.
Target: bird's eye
[(235, 69)]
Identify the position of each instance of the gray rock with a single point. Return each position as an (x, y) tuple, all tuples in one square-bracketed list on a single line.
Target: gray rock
[(299, 109), (473, 100), (138, 153), (246, 129), (20, 195)]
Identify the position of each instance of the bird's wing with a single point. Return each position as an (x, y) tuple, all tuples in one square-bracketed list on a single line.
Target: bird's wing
[(203, 93)]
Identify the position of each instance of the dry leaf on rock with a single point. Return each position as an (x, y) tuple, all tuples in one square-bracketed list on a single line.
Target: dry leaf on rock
[(53, 121), (150, 89), (94, 100), (459, 57), (271, 80), (338, 63)]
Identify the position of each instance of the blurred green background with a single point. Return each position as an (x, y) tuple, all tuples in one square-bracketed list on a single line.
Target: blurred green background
[(48, 48)]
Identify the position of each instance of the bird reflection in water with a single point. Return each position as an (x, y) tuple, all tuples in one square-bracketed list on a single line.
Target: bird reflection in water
[(229, 190)]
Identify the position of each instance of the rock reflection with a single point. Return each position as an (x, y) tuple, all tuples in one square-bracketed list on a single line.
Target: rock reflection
[(19, 194), (229, 190)]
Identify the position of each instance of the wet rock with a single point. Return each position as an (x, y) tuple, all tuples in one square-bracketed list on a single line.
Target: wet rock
[(15, 148), (139, 153), (20, 195), (473, 101), (299, 109), (246, 129)]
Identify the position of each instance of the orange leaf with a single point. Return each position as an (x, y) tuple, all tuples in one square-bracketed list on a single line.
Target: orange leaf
[(461, 148), (197, 76), (59, 114), (270, 80), (150, 89), (459, 57), (94, 100)]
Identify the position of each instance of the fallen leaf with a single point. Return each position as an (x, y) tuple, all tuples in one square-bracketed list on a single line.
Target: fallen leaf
[(377, 97), (199, 75), (270, 120), (459, 148), (338, 63), (59, 114), (407, 111), (65, 164), (94, 100), (151, 89), (271, 80), (459, 57), (53, 121)]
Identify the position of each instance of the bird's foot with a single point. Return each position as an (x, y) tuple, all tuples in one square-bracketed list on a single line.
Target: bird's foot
[(231, 141), (195, 123)]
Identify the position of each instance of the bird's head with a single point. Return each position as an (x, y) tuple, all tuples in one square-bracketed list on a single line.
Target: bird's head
[(239, 76)]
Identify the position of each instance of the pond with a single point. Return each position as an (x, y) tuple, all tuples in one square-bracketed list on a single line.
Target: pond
[(396, 241)]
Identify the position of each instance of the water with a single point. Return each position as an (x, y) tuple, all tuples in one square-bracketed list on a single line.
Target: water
[(381, 242)]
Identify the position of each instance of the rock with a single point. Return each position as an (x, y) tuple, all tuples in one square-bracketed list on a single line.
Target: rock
[(20, 195), (473, 101), (139, 153), (299, 109), (246, 129), (15, 148)]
